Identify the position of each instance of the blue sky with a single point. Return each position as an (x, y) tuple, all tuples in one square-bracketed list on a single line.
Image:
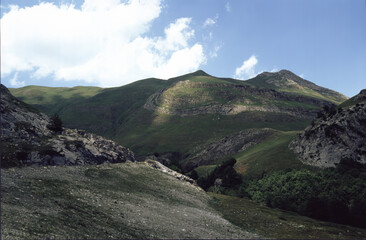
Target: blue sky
[(112, 42)]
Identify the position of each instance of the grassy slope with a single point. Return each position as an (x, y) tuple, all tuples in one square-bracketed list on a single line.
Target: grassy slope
[(50, 100), (276, 223), (109, 111), (114, 201), (118, 113), (325, 94), (270, 155), (175, 133)]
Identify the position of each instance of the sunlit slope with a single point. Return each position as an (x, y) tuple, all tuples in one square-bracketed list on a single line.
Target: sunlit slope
[(51, 99), (270, 155)]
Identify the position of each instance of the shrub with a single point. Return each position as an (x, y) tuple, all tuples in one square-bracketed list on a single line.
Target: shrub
[(56, 124)]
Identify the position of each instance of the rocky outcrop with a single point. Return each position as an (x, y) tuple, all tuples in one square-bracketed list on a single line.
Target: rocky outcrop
[(157, 165), (335, 135), (187, 98), (227, 146), (26, 140)]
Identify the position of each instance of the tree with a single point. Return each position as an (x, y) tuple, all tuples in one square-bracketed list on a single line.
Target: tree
[(56, 124)]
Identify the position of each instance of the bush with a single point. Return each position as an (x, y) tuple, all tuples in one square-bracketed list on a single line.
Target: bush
[(56, 124)]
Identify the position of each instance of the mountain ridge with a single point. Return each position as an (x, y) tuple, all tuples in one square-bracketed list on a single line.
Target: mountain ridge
[(181, 112), (287, 81)]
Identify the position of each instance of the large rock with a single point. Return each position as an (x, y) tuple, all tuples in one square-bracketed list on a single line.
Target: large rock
[(335, 135)]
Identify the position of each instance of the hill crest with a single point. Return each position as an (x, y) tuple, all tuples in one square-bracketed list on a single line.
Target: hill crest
[(287, 81)]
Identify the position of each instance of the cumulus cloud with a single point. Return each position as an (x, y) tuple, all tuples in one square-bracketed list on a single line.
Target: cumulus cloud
[(247, 69), (103, 42), (14, 81), (228, 7)]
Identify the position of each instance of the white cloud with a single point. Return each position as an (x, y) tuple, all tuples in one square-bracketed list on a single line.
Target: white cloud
[(104, 42), (302, 75), (228, 7), (274, 70), (214, 52), (247, 69), (14, 81), (209, 22)]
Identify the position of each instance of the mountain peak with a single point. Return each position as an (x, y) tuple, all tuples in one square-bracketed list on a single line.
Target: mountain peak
[(200, 73), (283, 73), (287, 81)]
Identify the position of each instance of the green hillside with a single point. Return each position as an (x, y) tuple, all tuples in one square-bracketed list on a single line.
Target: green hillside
[(51, 99), (178, 114), (286, 81), (270, 155)]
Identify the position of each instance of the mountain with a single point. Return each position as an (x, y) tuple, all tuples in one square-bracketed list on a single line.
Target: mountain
[(27, 140), (120, 200), (125, 199), (338, 133), (286, 81), (178, 114)]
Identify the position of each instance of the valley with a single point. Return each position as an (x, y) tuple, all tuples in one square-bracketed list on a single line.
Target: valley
[(80, 183)]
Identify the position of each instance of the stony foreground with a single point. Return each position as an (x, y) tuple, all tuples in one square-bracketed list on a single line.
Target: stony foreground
[(126, 200)]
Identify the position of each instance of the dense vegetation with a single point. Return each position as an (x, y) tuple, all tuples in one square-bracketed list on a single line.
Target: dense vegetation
[(335, 194), (56, 124)]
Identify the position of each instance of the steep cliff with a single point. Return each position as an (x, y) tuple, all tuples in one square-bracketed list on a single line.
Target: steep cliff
[(335, 135)]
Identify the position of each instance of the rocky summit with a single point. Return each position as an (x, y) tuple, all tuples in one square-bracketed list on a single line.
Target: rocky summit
[(27, 140), (335, 135)]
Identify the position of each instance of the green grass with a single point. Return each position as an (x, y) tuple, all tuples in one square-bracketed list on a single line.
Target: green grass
[(149, 132), (51, 99), (270, 155), (275, 223), (301, 89)]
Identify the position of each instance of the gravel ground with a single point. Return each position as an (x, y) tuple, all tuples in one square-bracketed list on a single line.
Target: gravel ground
[(109, 201)]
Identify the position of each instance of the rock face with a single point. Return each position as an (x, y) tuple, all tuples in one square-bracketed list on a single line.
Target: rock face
[(336, 134), (26, 140), (210, 96), (226, 146)]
